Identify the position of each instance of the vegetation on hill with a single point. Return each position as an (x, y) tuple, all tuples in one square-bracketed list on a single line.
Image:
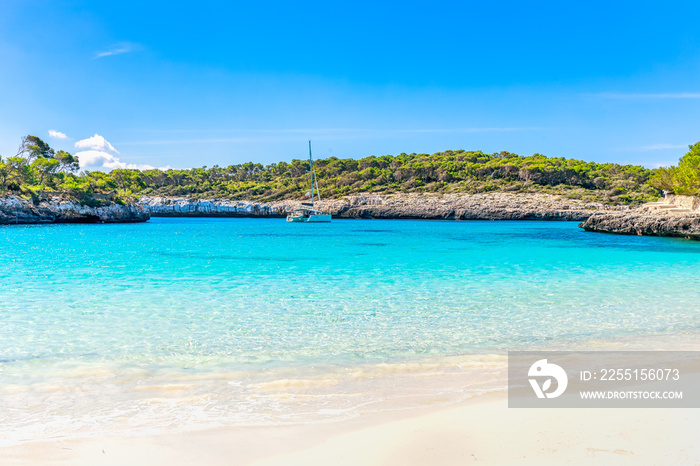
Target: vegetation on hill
[(683, 179), (37, 167)]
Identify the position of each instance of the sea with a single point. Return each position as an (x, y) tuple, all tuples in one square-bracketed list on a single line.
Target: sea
[(193, 323)]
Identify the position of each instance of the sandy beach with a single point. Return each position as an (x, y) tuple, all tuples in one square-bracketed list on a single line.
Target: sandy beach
[(481, 431)]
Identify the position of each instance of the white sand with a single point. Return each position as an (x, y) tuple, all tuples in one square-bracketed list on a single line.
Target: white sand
[(490, 433), (482, 431)]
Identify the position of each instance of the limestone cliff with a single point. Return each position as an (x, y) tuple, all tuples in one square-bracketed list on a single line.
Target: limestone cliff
[(677, 216), (63, 209), (491, 206), (640, 223)]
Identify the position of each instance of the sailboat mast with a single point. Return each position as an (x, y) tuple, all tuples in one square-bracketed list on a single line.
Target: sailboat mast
[(318, 191), (311, 175)]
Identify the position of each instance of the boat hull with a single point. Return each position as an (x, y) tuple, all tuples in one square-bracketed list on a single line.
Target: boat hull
[(314, 218), (319, 218)]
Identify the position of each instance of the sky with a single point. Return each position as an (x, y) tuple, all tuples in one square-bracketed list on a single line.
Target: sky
[(189, 84)]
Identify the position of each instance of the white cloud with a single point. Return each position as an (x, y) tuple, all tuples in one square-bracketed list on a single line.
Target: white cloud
[(100, 156), (118, 49), (57, 134), (97, 143), (103, 161)]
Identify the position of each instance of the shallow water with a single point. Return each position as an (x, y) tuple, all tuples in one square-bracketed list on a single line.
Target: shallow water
[(181, 322)]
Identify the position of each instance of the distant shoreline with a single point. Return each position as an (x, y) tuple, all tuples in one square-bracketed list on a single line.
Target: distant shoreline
[(490, 206), (654, 219)]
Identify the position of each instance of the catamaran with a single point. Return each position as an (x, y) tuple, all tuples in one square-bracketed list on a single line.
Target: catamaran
[(306, 213)]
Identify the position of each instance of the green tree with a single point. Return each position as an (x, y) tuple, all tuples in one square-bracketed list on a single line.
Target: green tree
[(33, 147), (20, 172), (5, 172), (45, 168), (67, 162), (683, 179)]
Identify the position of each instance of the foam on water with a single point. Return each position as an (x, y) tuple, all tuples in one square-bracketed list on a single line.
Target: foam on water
[(198, 322)]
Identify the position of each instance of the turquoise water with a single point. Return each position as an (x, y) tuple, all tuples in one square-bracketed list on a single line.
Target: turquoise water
[(223, 320)]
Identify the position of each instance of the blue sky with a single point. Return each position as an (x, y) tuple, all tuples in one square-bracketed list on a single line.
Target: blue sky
[(147, 83)]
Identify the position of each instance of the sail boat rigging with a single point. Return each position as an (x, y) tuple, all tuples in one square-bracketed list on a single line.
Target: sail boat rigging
[(306, 213)]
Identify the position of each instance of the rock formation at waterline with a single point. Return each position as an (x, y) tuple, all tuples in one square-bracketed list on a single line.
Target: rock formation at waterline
[(677, 216), (637, 223), (491, 206), (63, 209)]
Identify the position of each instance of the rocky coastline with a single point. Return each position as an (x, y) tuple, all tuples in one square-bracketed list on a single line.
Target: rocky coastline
[(645, 224), (675, 216), (63, 209), (490, 206)]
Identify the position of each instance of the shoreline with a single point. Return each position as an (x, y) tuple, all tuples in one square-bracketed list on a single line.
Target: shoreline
[(686, 226), (329, 395), (421, 423), (471, 431), (488, 206), (674, 216)]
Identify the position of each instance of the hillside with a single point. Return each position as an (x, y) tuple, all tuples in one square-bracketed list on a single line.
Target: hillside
[(444, 172), (38, 168)]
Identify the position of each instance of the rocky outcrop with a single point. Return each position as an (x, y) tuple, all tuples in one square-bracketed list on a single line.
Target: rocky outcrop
[(683, 225), (674, 215), (492, 206), (691, 203), (184, 207), (62, 209), (495, 206)]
